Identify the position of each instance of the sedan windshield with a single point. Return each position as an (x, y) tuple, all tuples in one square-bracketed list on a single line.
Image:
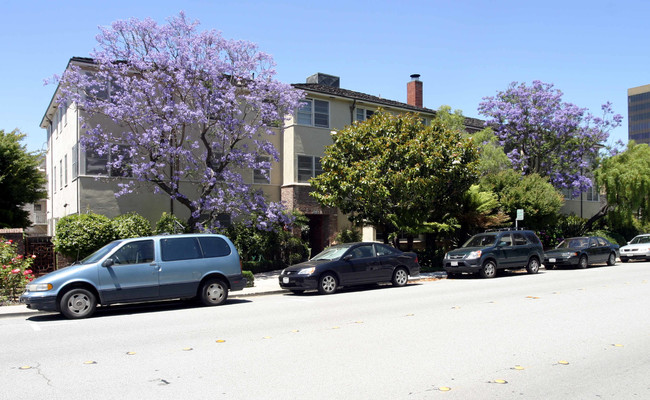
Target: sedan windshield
[(573, 243), (481, 241), (640, 240), (331, 253)]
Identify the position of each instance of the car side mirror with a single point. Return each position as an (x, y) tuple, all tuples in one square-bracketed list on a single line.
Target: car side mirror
[(108, 263), (347, 258)]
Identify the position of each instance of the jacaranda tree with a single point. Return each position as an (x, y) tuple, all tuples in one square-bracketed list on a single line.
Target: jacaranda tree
[(191, 107), (396, 173), (543, 135)]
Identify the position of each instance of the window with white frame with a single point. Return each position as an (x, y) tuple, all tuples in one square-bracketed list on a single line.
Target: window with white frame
[(61, 174), (54, 179), (308, 167), (65, 169), (363, 114), (75, 161), (593, 193), (262, 175), (314, 113), (97, 164)]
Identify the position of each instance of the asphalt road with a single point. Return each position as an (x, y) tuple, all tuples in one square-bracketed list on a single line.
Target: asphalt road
[(561, 334)]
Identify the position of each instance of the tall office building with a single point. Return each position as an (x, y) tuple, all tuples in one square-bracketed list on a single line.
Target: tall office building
[(638, 114)]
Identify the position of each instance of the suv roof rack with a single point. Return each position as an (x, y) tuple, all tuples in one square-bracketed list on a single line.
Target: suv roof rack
[(506, 229)]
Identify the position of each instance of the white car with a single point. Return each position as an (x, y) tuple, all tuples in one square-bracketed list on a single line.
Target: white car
[(637, 248)]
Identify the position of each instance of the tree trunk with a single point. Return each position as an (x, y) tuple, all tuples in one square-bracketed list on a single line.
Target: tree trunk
[(600, 214)]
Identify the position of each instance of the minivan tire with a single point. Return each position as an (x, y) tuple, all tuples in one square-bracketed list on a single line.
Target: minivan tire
[(78, 303), (214, 292)]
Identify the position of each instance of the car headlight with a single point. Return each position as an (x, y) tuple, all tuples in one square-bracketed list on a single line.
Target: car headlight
[(307, 271), (38, 287), (474, 254), (569, 254)]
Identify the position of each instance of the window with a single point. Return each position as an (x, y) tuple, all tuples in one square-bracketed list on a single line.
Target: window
[(54, 180), (383, 250), (97, 164), (520, 240), (61, 173), (593, 194), (314, 113), (214, 247), (364, 251), (75, 161), (179, 249), (122, 155), (139, 252), (308, 167), (65, 170), (363, 114), (262, 175)]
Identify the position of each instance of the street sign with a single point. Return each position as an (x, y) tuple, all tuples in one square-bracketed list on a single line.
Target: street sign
[(520, 214)]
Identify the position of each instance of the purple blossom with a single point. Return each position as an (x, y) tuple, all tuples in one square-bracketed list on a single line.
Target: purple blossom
[(186, 105)]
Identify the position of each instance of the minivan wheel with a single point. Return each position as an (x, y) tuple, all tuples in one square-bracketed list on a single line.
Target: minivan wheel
[(214, 292), (400, 277), (583, 263), (533, 266), (612, 259), (327, 284), (78, 303), (489, 270)]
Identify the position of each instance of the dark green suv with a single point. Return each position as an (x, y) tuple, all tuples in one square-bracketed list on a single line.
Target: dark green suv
[(488, 252)]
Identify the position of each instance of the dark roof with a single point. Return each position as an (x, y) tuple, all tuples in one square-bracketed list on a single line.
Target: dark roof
[(472, 124)]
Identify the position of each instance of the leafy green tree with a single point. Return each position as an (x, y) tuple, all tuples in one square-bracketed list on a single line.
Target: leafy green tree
[(21, 181), (540, 201), (492, 157), (131, 225), (626, 180), (396, 173), (480, 210), (169, 223)]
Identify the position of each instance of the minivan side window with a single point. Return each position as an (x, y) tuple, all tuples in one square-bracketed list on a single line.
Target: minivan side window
[(134, 253), (214, 247), (175, 249)]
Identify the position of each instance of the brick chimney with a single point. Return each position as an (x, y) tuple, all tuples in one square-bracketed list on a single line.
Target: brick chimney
[(414, 91)]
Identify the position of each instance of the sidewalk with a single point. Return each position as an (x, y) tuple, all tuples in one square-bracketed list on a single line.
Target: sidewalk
[(266, 283)]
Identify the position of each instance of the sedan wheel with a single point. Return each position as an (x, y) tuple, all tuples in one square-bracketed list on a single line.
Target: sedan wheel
[(489, 270), (78, 303), (583, 263), (400, 277), (612, 259), (327, 284)]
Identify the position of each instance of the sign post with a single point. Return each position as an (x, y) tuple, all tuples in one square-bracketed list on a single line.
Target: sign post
[(520, 217)]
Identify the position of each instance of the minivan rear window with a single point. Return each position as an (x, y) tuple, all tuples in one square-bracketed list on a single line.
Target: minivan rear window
[(175, 249), (214, 247)]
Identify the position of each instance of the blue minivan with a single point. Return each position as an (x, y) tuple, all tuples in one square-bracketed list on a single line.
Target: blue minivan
[(203, 266)]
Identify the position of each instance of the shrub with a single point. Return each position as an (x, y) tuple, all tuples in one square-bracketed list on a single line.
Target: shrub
[(348, 236), (78, 235), (15, 271), (131, 225), (250, 278), (169, 223)]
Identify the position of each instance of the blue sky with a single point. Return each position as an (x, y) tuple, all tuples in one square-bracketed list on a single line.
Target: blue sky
[(464, 50)]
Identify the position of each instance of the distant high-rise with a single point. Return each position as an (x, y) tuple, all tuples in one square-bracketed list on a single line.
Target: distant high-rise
[(638, 114)]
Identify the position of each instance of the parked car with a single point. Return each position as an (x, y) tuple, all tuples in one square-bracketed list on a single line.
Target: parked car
[(637, 248), (582, 252), (141, 269), (351, 264), (485, 253)]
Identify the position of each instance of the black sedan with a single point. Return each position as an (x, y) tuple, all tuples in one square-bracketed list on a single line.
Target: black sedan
[(582, 252), (351, 264)]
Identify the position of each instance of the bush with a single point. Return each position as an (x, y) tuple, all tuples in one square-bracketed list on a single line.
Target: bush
[(250, 278), (77, 236), (169, 223), (15, 272), (612, 237), (131, 225), (348, 236)]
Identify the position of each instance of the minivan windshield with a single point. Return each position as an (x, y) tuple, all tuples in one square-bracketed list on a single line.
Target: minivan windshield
[(331, 253), (99, 254), (484, 240)]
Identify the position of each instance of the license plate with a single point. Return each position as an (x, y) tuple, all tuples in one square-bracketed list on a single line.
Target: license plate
[(454, 263), (551, 260), (285, 280)]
